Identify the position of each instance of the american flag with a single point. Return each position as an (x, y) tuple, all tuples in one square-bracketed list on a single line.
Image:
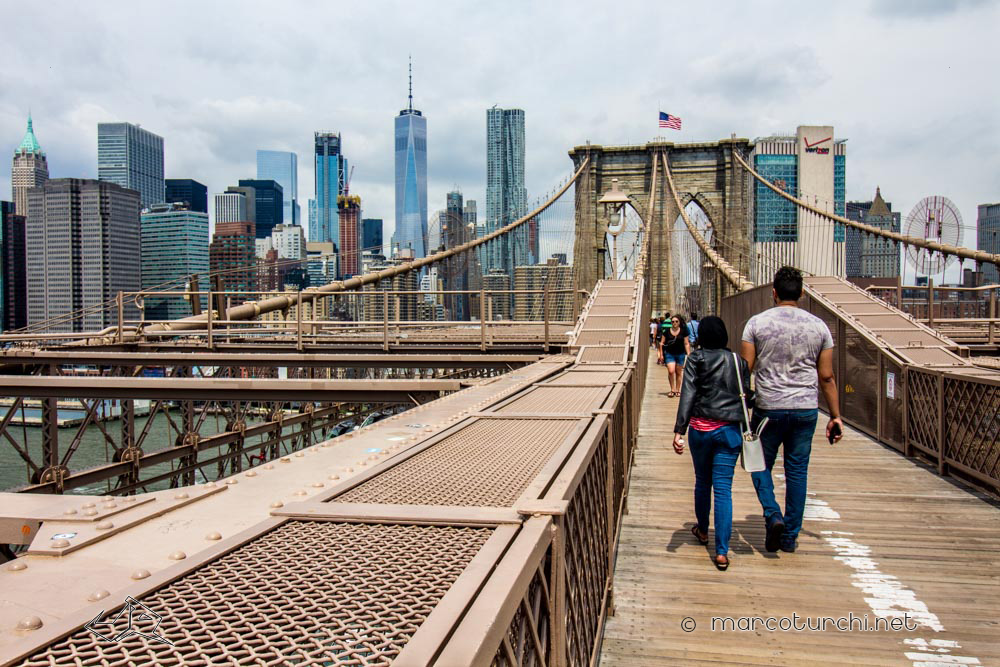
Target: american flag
[(673, 122)]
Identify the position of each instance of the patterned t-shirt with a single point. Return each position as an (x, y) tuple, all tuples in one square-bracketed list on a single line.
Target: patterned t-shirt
[(788, 342)]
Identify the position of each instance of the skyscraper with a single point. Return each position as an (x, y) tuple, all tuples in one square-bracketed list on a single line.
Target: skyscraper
[(283, 167), (810, 165), (232, 251), (174, 246), (14, 292), (30, 169), (131, 157), (506, 197), (411, 178), (371, 235), (331, 167), (349, 208), (872, 256), (455, 275), (231, 207), (988, 238), (82, 247), (268, 211), (188, 191)]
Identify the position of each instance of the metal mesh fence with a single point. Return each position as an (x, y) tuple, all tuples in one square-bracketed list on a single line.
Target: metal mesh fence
[(488, 464), (306, 593)]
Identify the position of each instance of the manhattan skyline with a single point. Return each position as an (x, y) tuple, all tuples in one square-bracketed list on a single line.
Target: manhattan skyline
[(190, 91)]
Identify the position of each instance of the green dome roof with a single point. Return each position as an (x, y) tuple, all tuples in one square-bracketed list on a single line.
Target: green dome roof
[(30, 143)]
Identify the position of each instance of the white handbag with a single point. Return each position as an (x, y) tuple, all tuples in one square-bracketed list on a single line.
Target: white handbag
[(752, 453)]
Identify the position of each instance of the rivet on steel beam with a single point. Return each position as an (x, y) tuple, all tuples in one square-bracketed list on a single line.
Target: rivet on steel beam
[(98, 595), (29, 623), (213, 536), (299, 455), (317, 485), (177, 555), (180, 496), (277, 503), (362, 463), (107, 497), (17, 566), (232, 481), (348, 469), (301, 493), (334, 477), (90, 512), (109, 506), (70, 511), (59, 544), (285, 459), (140, 574), (89, 505), (105, 525), (210, 485), (128, 499), (251, 473), (269, 466)]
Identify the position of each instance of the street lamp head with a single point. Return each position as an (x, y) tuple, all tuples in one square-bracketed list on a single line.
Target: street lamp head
[(613, 202)]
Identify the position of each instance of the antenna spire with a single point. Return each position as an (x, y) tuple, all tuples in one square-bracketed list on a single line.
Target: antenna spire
[(411, 83)]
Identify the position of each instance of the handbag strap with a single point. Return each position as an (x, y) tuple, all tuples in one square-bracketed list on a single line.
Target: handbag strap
[(743, 402)]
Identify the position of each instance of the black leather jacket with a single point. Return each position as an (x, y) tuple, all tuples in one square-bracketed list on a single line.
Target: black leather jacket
[(711, 389)]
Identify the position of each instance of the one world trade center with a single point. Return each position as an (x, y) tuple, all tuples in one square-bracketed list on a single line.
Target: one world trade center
[(411, 179)]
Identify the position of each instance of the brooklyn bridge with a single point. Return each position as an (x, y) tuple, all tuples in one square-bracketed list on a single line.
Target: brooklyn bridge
[(505, 492)]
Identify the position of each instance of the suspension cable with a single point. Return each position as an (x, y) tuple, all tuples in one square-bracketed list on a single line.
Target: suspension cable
[(735, 278), (943, 248), (250, 311)]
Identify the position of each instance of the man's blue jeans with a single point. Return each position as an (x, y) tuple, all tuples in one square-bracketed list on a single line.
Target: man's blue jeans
[(714, 454), (792, 429)]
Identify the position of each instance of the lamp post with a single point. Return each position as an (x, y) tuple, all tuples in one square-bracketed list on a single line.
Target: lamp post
[(613, 203)]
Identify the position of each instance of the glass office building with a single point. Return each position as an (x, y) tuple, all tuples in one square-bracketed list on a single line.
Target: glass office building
[(331, 168), (283, 167), (809, 165), (188, 191), (988, 238), (268, 208), (411, 180), (131, 157), (174, 246), (506, 196)]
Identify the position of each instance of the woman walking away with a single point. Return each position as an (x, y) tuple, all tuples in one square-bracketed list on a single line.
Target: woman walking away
[(676, 347), (710, 405)]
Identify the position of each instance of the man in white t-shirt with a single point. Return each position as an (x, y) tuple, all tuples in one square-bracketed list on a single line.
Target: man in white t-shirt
[(790, 352)]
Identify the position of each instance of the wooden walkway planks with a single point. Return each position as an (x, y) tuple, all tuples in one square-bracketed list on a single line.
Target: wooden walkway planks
[(874, 520)]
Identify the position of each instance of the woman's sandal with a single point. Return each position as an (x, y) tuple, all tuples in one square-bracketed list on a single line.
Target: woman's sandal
[(703, 540), (721, 566)]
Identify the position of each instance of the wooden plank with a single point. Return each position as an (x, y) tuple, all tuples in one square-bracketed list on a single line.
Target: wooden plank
[(920, 535)]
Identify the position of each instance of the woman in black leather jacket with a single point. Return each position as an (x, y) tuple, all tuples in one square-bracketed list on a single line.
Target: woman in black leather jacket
[(710, 406)]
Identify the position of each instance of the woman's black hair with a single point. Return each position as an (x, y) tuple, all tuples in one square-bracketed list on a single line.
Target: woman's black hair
[(712, 334)]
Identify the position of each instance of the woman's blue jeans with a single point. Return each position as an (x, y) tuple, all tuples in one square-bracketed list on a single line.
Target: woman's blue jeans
[(715, 454)]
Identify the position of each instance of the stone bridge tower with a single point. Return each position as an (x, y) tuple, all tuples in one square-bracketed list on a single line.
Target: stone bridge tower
[(704, 172)]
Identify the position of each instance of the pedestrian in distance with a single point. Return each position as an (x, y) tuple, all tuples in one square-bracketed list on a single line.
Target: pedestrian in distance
[(676, 346), (653, 328), (692, 326), (790, 352), (710, 412), (664, 324)]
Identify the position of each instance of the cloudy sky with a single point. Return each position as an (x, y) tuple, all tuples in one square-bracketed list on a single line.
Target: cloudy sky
[(911, 84)]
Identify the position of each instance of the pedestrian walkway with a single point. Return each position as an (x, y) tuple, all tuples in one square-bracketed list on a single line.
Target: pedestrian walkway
[(883, 537)]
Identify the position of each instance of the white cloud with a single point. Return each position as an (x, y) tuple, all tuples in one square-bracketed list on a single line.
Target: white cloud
[(909, 84)]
